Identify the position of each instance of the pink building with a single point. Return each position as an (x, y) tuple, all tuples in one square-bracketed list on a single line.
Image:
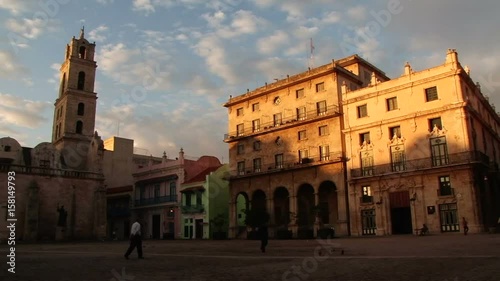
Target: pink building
[(157, 193)]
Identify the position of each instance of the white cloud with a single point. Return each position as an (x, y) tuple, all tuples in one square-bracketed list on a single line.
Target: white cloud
[(268, 45), (242, 23), (143, 6), (357, 13), (17, 7), (55, 77), (198, 137), (212, 50), (145, 67), (11, 68), (29, 28), (331, 17), (105, 2), (22, 112), (97, 33), (265, 3)]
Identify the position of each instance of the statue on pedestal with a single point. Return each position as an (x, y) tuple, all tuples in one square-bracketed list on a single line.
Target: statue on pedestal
[(63, 214)]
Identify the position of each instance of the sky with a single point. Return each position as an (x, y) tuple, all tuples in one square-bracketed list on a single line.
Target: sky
[(165, 67)]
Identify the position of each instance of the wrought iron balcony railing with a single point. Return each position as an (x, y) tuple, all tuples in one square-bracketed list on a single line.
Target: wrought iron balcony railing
[(287, 165), (156, 200), (468, 157), (193, 209), (331, 110)]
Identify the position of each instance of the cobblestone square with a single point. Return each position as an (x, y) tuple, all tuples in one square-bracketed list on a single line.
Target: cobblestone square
[(437, 258)]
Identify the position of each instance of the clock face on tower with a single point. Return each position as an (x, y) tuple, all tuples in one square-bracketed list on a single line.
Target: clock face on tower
[(277, 100)]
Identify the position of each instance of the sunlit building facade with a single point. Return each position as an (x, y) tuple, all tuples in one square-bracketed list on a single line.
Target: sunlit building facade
[(286, 150), (422, 149), (345, 146)]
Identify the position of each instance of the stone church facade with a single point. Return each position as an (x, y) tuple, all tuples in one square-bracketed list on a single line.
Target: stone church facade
[(59, 185)]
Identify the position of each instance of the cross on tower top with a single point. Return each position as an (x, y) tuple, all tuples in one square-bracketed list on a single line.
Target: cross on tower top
[(82, 32)]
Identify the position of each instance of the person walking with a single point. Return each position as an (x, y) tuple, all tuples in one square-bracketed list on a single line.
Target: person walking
[(264, 236), (466, 227), (135, 240)]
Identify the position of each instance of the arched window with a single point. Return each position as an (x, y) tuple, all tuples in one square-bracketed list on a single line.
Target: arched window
[(63, 84), (81, 109), (57, 131), (82, 52), (81, 80), (79, 127)]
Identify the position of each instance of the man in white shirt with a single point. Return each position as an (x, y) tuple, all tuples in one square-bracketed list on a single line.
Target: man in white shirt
[(135, 240)]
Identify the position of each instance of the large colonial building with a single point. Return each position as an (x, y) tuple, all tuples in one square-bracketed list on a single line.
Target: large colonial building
[(423, 149), (287, 152), (59, 185), (344, 145)]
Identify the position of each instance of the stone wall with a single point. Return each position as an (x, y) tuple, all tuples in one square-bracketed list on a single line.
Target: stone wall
[(76, 195)]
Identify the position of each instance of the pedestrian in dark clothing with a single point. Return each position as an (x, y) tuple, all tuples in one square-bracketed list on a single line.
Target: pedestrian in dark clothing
[(264, 236), (466, 227), (135, 240)]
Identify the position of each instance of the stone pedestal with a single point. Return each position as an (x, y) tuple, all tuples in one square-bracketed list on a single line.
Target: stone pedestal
[(60, 233)]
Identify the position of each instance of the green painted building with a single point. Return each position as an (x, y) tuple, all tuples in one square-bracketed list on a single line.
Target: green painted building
[(204, 205)]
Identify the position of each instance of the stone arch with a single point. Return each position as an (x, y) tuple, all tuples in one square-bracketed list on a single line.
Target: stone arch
[(81, 80), (328, 202), (259, 200), (82, 52), (79, 127), (281, 206), (81, 109), (242, 205), (305, 205)]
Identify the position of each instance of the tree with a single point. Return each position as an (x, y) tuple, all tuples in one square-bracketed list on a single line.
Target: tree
[(218, 222), (256, 217)]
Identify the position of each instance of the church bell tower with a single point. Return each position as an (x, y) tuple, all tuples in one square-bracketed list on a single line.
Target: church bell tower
[(75, 107)]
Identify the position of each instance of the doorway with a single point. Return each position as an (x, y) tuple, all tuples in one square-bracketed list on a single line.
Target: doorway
[(156, 227), (126, 229), (400, 212), (199, 229)]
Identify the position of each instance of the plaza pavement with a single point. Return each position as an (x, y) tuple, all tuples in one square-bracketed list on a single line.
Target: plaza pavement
[(451, 257)]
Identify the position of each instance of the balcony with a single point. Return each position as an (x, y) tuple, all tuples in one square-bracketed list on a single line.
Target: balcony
[(366, 199), (331, 110), (273, 167), (193, 209), (156, 200), (469, 157), (443, 192)]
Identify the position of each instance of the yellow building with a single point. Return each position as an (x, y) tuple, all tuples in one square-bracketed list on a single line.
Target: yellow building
[(286, 150), (422, 149), (342, 145)]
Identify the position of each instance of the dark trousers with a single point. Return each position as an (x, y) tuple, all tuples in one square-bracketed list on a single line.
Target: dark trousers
[(135, 241), (263, 244), (466, 229)]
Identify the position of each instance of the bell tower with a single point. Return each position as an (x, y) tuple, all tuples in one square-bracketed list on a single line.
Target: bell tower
[(75, 106)]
